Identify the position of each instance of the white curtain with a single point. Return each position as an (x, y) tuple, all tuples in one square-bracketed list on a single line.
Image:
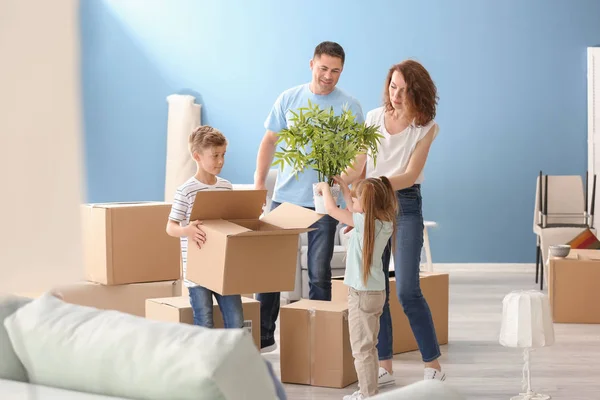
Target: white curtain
[(40, 145), (183, 117)]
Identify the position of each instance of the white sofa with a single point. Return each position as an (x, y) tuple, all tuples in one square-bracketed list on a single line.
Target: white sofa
[(338, 264), (61, 350)]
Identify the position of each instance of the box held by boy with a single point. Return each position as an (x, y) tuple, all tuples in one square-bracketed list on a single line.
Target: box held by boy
[(242, 253)]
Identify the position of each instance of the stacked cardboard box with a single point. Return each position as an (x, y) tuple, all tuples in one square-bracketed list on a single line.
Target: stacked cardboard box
[(573, 287), (128, 257), (178, 309)]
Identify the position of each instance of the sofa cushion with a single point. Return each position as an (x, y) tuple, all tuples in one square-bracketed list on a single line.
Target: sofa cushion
[(337, 261), (116, 354), (11, 367)]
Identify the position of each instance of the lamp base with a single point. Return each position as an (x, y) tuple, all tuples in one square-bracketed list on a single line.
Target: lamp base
[(531, 396)]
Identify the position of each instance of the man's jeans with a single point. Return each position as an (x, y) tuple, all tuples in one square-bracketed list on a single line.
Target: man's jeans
[(320, 251), (407, 259)]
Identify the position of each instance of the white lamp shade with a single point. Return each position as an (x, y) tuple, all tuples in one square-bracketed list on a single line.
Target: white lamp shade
[(526, 320)]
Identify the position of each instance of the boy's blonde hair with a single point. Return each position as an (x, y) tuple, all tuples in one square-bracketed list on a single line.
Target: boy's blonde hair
[(205, 137)]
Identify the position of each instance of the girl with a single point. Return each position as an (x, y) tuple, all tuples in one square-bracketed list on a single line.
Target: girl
[(372, 209)]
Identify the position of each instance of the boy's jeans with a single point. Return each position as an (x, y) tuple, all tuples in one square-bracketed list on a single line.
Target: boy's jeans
[(320, 251), (364, 312), (407, 260), (202, 307)]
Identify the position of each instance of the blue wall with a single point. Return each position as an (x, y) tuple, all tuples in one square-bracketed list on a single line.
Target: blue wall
[(511, 77)]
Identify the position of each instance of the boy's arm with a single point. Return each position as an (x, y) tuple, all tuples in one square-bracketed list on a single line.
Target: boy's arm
[(193, 231)]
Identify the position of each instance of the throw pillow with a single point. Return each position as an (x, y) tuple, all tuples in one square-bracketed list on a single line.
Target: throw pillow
[(585, 240)]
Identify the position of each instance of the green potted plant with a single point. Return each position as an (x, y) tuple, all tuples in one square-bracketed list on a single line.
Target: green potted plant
[(325, 142)]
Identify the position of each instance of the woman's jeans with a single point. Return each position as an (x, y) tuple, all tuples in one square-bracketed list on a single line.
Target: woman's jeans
[(407, 259)]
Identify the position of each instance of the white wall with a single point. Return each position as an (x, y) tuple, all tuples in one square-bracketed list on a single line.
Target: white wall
[(40, 144)]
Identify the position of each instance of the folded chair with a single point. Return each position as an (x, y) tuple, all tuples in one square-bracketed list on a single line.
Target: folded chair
[(560, 214)]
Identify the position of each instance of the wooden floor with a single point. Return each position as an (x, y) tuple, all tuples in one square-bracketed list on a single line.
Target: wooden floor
[(476, 364)]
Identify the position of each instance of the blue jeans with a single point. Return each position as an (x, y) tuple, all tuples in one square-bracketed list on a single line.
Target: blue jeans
[(202, 308), (407, 259), (321, 242)]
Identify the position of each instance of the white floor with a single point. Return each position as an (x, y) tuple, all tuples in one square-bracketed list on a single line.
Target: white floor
[(476, 364)]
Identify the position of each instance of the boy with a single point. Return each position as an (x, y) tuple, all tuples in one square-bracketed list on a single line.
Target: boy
[(207, 146)]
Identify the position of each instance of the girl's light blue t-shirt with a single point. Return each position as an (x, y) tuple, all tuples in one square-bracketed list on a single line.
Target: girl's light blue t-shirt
[(354, 259)]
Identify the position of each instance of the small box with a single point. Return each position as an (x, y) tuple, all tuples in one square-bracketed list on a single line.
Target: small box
[(573, 287), (129, 298), (435, 289), (127, 243), (178, 309), (242, 253), (315, 344)]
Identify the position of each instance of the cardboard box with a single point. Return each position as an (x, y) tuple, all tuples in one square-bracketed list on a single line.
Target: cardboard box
[(130, 298), (435, 289), (127, 243), (315, 344), (573, 287), (242, 253), (178, 309)]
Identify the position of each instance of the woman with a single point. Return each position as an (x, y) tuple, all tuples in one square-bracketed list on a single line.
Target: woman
[(408, 127)]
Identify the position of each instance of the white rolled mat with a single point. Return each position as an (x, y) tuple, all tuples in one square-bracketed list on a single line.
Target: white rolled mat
[(183, 117)]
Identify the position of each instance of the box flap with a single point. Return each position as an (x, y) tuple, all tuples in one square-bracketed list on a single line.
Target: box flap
[(228, 204), (176, 302), (318, 305), (225, 227), (290, 216), (580, 254)]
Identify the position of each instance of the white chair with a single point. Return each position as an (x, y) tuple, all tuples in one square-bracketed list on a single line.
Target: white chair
[(426, 246), (560, 214)]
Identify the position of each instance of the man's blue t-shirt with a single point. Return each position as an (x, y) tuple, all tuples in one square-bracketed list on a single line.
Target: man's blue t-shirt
[(298, 190)]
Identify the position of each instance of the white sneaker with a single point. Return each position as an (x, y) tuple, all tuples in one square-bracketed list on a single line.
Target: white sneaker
[(432, 373), (354, 396), (269, 348), (385, 378)]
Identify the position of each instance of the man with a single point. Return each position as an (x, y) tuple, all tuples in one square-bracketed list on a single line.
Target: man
[(326, 66)]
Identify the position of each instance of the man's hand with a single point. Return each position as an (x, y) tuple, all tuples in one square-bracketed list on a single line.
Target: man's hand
[(195, 233)]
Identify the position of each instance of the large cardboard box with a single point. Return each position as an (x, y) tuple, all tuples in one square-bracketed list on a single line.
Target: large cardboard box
[(178, 309), (435, 289), (573, 287), (127, 243), (130, 298), (315, 344), (242, 253)]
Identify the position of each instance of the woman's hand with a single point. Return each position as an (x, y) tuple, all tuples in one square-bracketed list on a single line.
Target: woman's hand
[(343, 185), (322, 187)]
